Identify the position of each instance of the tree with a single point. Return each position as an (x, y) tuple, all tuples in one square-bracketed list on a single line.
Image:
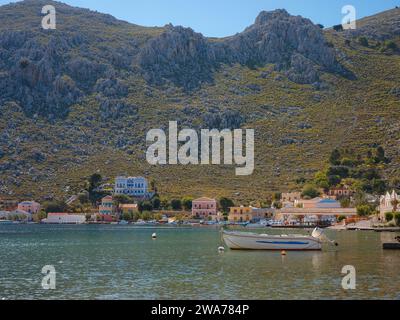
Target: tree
[(341, 171), (380, 155), (389, 216), (122, 199), (334, 158), (157, 216), (164, 203), (397, 217), (320, 25), (321, 180), (348, 162), (145, 206), (276, 196), (345, 202), (153, 185), (187, 203), (360, 198), (135, 216), (127, 216), (156, 203), (146, 215), (225, 203), (41, 215), (391, 45), (277, 205), (310, 191), (55, 206), (363, 41), (176, 204), (83, 197), (95, 180), (338, 27), (334, 180), (364, 210), (266, 204), (300, 180)]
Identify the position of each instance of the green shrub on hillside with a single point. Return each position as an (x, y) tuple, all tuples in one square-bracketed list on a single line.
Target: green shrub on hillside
[(397, 218), (389, 216), (363, 41)]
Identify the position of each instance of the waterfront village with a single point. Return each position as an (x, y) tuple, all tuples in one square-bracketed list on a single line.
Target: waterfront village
[(349, 193), (130, 201)]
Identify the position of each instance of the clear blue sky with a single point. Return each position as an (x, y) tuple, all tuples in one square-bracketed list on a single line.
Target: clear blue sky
[(225, 17)]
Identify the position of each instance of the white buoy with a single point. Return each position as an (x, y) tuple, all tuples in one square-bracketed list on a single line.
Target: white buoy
[(283, 253), (221, 249), (154, 235)]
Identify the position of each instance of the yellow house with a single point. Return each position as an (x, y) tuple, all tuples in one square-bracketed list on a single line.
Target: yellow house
[(240, 214), (129, 208)]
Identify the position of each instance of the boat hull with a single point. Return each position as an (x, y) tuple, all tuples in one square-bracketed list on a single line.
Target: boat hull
[(251, 241)]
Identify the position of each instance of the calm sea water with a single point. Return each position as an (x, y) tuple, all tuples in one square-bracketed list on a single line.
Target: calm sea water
[(123, 262)]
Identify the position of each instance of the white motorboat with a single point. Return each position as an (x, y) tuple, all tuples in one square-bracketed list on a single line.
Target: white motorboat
[(256, 241), (261, 224)]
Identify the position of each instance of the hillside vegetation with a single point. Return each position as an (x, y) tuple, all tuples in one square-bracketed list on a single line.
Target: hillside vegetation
[(80, 99)]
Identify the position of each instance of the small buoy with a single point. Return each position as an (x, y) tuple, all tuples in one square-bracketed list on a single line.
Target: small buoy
[(283, 252), (221, 249), (154, 235)]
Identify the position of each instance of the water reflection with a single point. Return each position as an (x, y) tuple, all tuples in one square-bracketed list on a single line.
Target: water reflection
[(123, 262)]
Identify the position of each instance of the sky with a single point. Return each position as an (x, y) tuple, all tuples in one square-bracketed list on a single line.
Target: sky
[(219, 18)]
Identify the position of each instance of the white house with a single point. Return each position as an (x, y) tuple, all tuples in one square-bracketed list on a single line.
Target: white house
[(385, 203), (64, 218), (131, 186)]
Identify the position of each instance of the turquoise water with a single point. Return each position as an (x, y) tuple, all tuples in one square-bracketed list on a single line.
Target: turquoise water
[(123, 262)]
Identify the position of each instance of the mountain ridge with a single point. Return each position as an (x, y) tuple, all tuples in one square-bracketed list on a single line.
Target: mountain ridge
[(95, 101)]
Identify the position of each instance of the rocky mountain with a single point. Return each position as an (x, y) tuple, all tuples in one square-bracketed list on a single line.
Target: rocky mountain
[(291, 43), (42, 68), (81, 98)]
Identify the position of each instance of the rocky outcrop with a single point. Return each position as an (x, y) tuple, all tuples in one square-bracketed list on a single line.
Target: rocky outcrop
[(113, 88), (111, 109), (179, 55), (275, 37), (292, 43), (47, 72), (227, 119)]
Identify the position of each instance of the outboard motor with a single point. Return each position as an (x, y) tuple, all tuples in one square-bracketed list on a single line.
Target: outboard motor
[(319, 234)]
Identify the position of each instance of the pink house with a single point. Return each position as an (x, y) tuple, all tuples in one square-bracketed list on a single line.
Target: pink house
[(29, 206), (204, 207)]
